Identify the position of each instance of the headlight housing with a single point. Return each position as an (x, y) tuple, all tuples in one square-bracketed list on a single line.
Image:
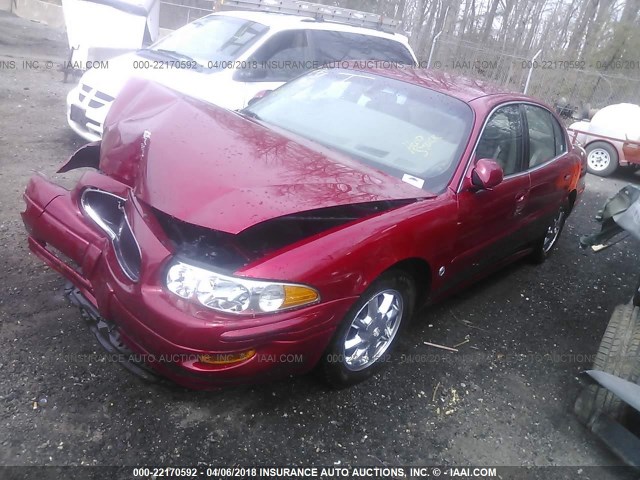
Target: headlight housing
[(236, 295)]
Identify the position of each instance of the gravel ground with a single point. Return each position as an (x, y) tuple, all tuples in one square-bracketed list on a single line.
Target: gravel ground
[(504, 399)]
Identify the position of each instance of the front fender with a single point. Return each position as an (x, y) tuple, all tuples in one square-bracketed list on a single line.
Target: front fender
[(344, 262)]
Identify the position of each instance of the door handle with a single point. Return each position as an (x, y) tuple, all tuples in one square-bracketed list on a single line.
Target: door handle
[(520, 203)]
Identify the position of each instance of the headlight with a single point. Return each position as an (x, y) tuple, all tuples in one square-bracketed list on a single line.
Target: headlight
[(235, 294)]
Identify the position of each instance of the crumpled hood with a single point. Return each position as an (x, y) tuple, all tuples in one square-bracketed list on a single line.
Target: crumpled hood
[(210, 167)]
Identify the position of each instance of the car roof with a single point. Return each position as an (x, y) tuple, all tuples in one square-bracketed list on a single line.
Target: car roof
[(464, 88), (479, 95), (281, 21)]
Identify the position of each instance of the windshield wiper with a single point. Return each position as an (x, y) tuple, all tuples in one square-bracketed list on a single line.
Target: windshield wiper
[(248, 113)]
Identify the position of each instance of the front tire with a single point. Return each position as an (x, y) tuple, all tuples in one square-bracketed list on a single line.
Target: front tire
[(367, 335), (602, 159)]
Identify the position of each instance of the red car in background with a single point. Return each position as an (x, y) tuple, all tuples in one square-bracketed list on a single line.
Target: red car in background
[(217, 247)]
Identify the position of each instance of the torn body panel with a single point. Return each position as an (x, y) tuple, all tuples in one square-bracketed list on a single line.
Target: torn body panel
[(231, 252), (86, 156)]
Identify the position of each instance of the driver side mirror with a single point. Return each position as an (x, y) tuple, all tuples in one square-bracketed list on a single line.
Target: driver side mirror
[(486, 174)]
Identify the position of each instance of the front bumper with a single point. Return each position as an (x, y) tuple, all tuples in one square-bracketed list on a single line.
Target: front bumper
[(165, 332)]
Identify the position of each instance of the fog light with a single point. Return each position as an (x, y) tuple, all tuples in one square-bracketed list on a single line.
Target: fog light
[(226, 358)]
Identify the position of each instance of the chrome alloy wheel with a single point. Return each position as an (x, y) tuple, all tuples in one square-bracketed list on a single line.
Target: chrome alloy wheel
[(372, 330), (598, 159), (553, 232)]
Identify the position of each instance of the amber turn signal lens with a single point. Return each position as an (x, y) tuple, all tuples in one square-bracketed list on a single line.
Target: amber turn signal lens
[(297, 295), (226, 358)]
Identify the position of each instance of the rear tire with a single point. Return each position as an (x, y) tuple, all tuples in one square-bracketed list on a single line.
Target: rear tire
[(364, 341), (619, 355), (545, 245), (602, 159)]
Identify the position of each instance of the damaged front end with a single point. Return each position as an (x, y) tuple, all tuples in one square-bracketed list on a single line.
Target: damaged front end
[(152, 239)]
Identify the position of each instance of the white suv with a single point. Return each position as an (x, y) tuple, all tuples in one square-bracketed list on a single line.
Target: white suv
[(227, 57)]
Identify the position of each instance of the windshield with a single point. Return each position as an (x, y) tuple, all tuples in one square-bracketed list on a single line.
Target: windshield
[(405, 130), (215, 38)]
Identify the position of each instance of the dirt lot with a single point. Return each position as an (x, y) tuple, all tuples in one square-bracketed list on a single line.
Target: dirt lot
[(504, 399)]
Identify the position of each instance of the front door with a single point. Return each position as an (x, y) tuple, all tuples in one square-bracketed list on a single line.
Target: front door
[(490, 222)]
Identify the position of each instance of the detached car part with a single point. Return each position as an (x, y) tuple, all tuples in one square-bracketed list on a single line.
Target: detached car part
[(610, 406)]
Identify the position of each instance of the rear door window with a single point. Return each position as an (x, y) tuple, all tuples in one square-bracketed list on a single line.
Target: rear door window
[(542, 141), (558, 133)]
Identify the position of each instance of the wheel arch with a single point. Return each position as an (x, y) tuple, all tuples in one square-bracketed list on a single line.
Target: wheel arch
[(420, 271)]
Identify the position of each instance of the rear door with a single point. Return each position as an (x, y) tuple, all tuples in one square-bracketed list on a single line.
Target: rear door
[(550, 168)]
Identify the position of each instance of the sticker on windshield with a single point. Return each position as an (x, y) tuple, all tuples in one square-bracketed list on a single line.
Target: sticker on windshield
[(411, 180), (421, 145)]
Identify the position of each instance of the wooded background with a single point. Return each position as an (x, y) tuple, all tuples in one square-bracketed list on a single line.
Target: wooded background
[(589, 49), (496, 40), (591, 30)]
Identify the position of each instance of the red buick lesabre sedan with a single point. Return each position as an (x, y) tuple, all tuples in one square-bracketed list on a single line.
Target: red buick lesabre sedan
[(216, 247)]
